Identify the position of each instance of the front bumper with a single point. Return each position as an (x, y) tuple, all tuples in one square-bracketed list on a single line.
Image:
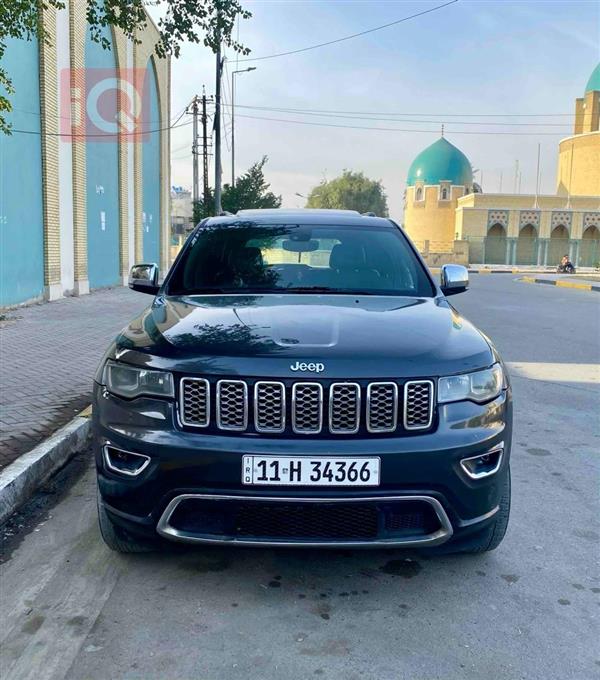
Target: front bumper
[(186, 466)]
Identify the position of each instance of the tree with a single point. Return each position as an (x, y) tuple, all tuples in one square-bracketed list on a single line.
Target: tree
[(206, 21), (251, 190), (350, 191)]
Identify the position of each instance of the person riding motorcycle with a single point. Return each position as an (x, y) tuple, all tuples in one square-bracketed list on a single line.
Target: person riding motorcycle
[(565, 266)]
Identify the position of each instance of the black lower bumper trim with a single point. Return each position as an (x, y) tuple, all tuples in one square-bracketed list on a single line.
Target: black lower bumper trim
[(393, 520)]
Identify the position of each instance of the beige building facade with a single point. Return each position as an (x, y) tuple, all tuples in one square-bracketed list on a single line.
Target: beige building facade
[(450, 218)]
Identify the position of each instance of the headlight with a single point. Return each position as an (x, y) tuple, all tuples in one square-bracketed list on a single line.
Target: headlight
[(129, 381), (479, 386)]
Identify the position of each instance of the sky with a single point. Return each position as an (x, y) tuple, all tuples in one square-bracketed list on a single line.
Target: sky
[(462, 65)]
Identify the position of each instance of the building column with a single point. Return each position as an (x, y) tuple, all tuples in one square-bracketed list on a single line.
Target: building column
[(50, 127), (77, 32), (121, 48), (137, 168), (507, 259), (574, 246), (542, 247)]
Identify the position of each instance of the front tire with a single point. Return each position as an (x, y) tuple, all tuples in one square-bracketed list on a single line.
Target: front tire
[(116, 538), (491, 537), (486, 539)]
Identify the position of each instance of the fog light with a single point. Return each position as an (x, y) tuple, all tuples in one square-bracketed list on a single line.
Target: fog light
[(125, 462), (483, 465)]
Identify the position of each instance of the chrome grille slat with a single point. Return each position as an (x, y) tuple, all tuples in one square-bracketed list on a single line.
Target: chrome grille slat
[(270, 411), (344, 408), (307, 407), (382, 407), (418, 404), (194, 402), (232, 405), (269, 406)]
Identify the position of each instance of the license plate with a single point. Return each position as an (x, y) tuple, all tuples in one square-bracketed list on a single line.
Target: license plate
[(314, 471)]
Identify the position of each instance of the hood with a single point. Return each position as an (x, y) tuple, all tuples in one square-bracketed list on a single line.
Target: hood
[(265, 335)]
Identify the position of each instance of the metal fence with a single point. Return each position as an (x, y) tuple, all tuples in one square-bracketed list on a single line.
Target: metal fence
[(543, 252)]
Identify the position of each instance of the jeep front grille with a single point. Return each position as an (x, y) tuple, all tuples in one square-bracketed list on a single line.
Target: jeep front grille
[(306, 408), (418, 400), (269, 407), (232, 405), (344, 408), (195, 402), (382, 407)]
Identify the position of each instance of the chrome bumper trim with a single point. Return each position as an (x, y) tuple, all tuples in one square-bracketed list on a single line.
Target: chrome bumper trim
[(481, 518), (165, 530)]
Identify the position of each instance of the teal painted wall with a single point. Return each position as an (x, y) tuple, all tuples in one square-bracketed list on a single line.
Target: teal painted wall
[(102, 168), (151, 170), (21, 202)]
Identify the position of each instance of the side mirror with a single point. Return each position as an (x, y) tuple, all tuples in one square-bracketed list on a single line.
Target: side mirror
[(454, 278), (144, 278)]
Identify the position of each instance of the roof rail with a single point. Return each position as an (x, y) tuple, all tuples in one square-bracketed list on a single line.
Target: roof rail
[(369, 214), (225, 213)]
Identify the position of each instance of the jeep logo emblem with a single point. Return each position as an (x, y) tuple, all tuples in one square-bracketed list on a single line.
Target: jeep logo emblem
[(312, 367)]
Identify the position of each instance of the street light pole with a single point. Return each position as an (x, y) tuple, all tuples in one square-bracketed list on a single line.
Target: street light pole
[(233, 74), (217, 128)]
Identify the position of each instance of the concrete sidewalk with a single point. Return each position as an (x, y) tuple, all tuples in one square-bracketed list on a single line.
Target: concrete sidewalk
[(49, 353)]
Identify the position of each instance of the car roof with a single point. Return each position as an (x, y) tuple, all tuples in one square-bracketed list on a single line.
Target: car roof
[(322, 217)]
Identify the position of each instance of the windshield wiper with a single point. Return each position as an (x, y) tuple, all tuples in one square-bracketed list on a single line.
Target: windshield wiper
[(207, 291), (325, 289), (309, 289)]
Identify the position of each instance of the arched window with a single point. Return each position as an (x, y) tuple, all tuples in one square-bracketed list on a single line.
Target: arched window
[(419, 194), (495, 245), (444, 194), (527, 245), (559, 244), (589, 255)]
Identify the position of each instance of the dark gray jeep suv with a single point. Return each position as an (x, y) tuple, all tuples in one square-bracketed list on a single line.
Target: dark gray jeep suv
[(300, 380)]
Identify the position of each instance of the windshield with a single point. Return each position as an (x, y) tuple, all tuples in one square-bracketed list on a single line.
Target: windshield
[(297, 258)]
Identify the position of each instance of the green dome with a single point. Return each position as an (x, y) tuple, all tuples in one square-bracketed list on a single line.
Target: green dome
[(438, 162), (594, 82)]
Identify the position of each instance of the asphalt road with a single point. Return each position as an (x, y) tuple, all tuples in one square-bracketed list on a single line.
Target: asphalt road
[(72, 609)]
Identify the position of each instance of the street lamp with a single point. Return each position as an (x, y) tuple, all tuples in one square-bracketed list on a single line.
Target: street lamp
[(233, 74)]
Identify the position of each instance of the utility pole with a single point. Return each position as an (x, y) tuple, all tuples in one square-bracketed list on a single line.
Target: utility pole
[(204, 151), (217, 125), (195, 185)]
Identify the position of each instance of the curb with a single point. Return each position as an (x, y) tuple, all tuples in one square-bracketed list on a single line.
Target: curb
[(19, 480), (561, 284), (514, 270)]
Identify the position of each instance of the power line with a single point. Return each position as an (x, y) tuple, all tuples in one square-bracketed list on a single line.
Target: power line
[(386, 129), (86, 136), (308, 112), (176, 118), (385, 113), (350, 37)]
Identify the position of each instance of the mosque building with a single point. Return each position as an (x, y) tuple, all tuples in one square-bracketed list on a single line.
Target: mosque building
[(450, 217)]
